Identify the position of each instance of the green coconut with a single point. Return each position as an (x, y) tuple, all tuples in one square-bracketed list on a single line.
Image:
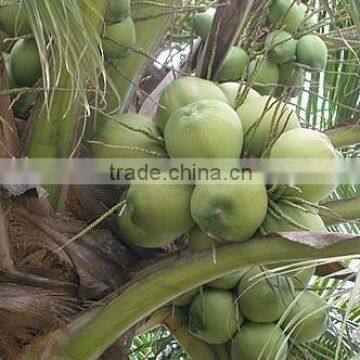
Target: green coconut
[(306, 144), (204, 129), (214, 317), (282, 46), (117, 10), (264, 112), (311, 51), (185, 299), (25, 62), (287, 13), (307, 317), (259, 342), (231, 89), (134, 135), (184, 91), (202, 24), (119, 38), (264, 298), (309, 220), (234, 65), (264, 74), (227, 211), (135, 235), (161, 209), (292, 78), (228, 282), (13, 20)]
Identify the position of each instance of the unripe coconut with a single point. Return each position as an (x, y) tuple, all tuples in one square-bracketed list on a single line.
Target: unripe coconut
[(117, 10), (309, 220), (292, 80), (231, 89), (185, 299), (13, 20), (263, 298), (214, 317), (25, 62), (259, 342), (311, 51), (234, 65), (128, 132), (307, 317), (228, 282), (184, 91), (267, 112), (204, 129), (135, 235), (287, 13), (306, 144), (229, 212), (118, 38), (266, 76), (161, 209), (202, 24), (281, 45)]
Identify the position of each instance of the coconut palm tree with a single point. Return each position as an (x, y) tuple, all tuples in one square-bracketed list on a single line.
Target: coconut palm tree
[(70, 286)]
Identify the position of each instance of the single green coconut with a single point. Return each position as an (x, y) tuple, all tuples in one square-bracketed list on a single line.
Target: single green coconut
[(287, 13), (127, 136), (282, 46), (184, 91), (264, 75), (262, 297), (307, 219), (231, 89), (117, 10), (204, 129), (214, 317), (185, 299), (227, 211), (202, 24), (234, 65), (161, 209), (135, 235), (311, 51), (292, 78), (228, 282), (307, 144), (259, 342), (25, 62), (13, 20), (307, 317), (258, 116), (119, 38)]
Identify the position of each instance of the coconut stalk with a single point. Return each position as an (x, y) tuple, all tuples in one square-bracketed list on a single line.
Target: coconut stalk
[(95, 330), (52, 135), (151, 25)]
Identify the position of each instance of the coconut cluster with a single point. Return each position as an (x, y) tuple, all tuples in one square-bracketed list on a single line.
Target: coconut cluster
[(287, 51)]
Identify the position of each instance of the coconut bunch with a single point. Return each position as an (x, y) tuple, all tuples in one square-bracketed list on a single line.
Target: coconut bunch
[(254, 314), (287, 51)]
